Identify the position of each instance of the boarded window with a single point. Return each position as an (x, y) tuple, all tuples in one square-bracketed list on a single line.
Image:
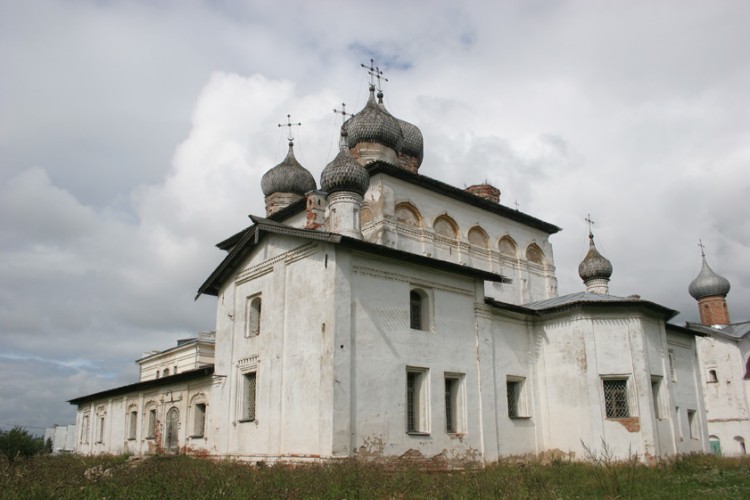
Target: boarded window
[(151, 429), (616, 398), (133, 425), (199, 419)]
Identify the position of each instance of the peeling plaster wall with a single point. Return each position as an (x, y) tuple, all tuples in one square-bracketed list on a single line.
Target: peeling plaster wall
[(726, 400), (687, 395)]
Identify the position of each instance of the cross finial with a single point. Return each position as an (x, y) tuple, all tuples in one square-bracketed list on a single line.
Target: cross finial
[(343, 112), (516, 203), (703, 248), (590, 222), (289, 124), (375, 74)]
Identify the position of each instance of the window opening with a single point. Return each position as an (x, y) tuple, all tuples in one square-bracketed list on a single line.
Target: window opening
[(133, 425), (250, 396), (712, 378), (452, 403), (415, 317), (616, 398), (514, 387), (692, 424), (199, 420), (416, 401), (672, 366), (656, 394), (151, 432), (253, 317)]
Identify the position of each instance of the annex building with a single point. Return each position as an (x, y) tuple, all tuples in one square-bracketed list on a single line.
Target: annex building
[(382, 312)]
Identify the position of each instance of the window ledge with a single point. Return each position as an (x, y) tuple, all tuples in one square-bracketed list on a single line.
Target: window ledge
[(417, 433), (243, 420), (197, 436), (521, 417), (131, 439), (151, 437)]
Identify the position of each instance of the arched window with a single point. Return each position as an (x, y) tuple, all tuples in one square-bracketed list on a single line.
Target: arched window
[(711, 378), (508, 247), (165, 372), (741, 442), (253, 316), (418, 310), (534, 254), (478, 237), (446, 227), (408, 214)]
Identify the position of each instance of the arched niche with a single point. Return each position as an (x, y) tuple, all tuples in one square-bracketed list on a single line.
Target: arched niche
[(408, 214), (534, 254), (478, 237), (508, 247), (445, 226)]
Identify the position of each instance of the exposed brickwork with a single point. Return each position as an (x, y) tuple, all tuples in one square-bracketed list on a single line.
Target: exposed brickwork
[(713, 310), (485, 191), (632, 424), (316, 208), (277, 201)]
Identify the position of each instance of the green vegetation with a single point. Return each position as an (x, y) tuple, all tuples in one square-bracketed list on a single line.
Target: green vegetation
[(17, 443), (71, 476)]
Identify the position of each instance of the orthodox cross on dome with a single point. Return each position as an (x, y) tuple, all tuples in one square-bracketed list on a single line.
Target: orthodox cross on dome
[(703, 247), (590, 222), (343, 112), (375, 74), (516, 203), (289, 124)]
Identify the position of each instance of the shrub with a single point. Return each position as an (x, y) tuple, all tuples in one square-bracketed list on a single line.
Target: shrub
[(17, 442)]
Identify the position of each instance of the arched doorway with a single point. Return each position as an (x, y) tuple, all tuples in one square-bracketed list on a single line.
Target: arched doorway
[(715, 445), (171, 444)]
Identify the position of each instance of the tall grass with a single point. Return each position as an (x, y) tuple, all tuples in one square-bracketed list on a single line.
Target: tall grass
[(186, 477)]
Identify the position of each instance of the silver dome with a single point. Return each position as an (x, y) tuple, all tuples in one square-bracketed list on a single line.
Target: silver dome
[(708, 283), (288, 177), (594, 265)]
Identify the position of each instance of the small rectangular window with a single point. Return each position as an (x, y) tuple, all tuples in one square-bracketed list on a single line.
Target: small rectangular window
[(693, 424), (616, 398), (679, 421), (85, 430), (249, 392), (199, 420), (656, 395), (151, 432), (254, 304), (416, 401), (711, 377), (100, 436), (453, 404), (133, 425), (516, 398)]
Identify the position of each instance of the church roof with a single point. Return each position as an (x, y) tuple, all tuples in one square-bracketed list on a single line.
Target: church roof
[(244, 242), (148, 384), (735, 331), (581, 299)]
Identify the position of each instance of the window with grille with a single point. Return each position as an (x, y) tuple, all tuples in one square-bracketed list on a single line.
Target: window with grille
[(616, 398), (248, 408), (199, 419), (453, 404), (515, 394), (416, 401)]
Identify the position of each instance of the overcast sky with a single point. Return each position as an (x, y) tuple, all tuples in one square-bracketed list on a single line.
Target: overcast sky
[(133, 136)]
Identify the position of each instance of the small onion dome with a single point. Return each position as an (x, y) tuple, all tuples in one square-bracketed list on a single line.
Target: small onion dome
[(288, 177), (344, 173), (708, 283), (413, 144), (374, 124), (594, 265)]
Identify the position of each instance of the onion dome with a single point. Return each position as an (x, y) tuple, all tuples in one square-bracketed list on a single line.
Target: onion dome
[(708, 283), (594, 266), (413, 144), (288, 177), (344, 173), (374, 124)]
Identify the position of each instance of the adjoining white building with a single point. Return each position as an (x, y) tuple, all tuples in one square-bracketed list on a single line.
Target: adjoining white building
[(391, 314), (724, 355)]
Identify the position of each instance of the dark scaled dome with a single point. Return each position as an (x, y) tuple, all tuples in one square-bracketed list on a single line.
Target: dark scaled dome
[(288, 177), (708, 283), (344, 173), (413, 144), (374, 124), (594, 265)]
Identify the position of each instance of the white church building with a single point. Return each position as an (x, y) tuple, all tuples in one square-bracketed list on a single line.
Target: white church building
[(386, 313)]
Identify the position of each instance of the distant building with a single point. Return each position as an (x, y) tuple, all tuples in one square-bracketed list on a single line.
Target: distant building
[(391, 314), (62, 437)]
